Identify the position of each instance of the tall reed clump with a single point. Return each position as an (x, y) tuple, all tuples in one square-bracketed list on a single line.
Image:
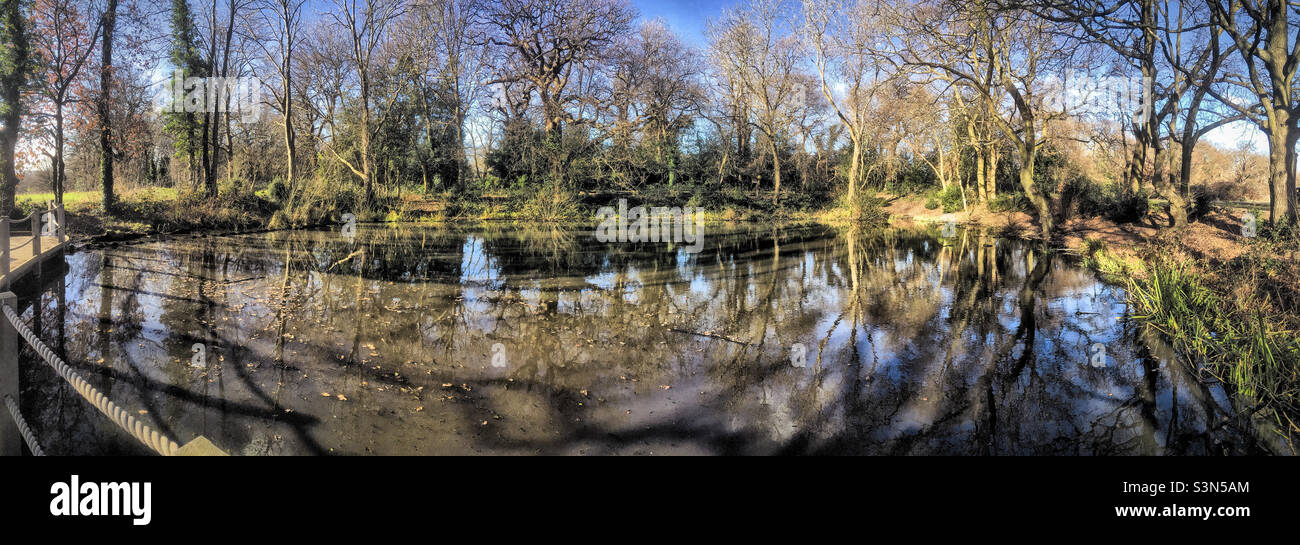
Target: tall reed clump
[(549, 203), (1231, 339)]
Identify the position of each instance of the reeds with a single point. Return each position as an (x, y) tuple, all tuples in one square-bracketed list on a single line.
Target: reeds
[(1233, 340)]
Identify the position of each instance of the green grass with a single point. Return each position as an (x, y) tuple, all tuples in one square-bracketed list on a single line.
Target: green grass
[(73, 199), (1231, 339), (1096, 255), (70, 199)]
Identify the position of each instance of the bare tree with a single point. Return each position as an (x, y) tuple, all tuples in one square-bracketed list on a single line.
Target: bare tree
[(992, 50), (1263, 33), (364, 23), (64, 36), (656, 91), (755, 48), (277, 34), (444, 40), (548, 42), (839, 36)]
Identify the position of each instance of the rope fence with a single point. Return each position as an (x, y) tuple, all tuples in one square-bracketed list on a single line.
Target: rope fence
[(23, 428), (53, 220), (50, 222), (151, 438), (29, 241)]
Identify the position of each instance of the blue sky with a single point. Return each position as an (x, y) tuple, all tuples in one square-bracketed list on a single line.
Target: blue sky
[(685, 17)]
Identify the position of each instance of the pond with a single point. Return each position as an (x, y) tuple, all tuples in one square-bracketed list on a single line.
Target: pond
[(506, 339)]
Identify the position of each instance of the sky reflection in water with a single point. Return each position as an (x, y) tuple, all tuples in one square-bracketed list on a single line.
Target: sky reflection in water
[(314, 344)]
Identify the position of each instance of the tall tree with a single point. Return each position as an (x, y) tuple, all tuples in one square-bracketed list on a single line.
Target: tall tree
[(1264, 35), (104, 112), (755, 46), (14, 69), (64, 39), (1019, 50), (183, 121), (548, 43), (281, 21), (839, 37), (364, 23)]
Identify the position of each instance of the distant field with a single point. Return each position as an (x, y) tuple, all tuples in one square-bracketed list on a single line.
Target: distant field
[(76, 199), (70, 198)]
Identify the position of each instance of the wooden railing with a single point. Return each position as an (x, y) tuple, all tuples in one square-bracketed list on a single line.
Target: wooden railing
[(50, 222)]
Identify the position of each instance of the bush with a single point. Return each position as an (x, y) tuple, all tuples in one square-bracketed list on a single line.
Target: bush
[(951, 199), (278, 190), (1198, 203), (550, 203), (864, 209), (1092, 199), (1009, 202)]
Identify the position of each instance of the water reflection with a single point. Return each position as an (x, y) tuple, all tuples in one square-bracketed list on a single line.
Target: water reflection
[(314, 345)]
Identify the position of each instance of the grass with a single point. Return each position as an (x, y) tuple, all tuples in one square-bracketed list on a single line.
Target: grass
[(70, 199), (1231, 337), (1096, 255), (146, 211)]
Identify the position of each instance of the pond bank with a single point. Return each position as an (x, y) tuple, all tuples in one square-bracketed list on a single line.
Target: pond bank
[(1229, 304)]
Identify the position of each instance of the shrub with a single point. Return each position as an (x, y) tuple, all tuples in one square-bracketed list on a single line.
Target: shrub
[(1092, 199), (1198, 203), (277, 190), (549, 203), (863, 209), (951, 199), (1009, 202)]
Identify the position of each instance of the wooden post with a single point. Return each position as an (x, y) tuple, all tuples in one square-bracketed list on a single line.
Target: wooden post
[(63, 231), (36, 237), (11, 443), (4, 247)]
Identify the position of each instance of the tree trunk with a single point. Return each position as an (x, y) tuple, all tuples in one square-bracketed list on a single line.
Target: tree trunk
[(855, 168), (209, 177), (59, 171), (991, 176), (1163, 183), (1282, 136), (1046, 221), (1185, 164), (290, 138), (776, 172), (105, 123)]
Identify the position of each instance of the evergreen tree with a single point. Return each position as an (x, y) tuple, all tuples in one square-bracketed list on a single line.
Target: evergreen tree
[(183, 123), (14, 69)]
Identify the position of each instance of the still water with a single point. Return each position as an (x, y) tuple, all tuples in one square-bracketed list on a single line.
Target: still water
[(417, 339)]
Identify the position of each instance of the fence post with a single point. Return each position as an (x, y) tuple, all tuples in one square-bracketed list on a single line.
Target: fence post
[(63, 231), (11, 442), (4, 246), (36, 237)]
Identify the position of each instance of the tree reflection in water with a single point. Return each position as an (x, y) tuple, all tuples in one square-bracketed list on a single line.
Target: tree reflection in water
[(315, 344)]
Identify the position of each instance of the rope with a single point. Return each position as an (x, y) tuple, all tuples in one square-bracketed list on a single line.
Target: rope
[(29, 241), (23, 429), (27, 218), (141, 431)]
